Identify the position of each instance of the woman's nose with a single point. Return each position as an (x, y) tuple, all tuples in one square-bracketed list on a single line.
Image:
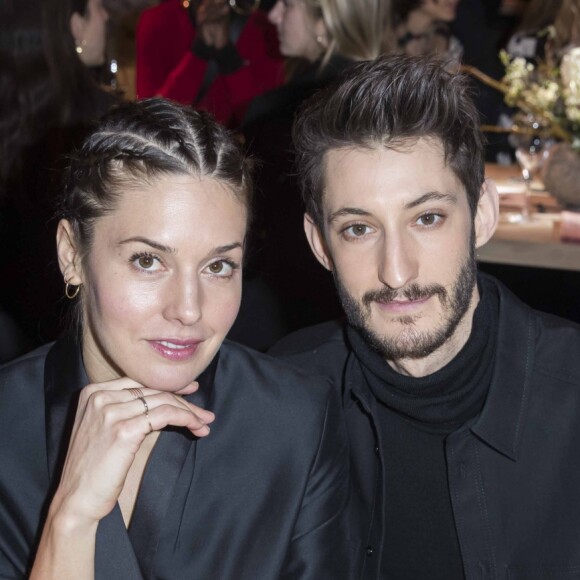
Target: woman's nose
[(275, 14), (183, 301)]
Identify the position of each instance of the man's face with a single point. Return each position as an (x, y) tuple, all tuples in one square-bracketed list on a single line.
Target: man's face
[(399, 237)]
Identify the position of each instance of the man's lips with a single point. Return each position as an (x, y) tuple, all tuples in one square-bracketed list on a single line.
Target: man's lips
[(175, 349), (402, 306)]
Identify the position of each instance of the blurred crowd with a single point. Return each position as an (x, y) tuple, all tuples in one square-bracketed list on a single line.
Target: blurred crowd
[(63, 63)]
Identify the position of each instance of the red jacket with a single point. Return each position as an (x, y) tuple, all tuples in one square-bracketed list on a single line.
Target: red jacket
[(167, 67)]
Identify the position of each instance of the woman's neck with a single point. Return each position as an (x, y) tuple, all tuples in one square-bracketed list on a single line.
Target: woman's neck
[(418, 23)]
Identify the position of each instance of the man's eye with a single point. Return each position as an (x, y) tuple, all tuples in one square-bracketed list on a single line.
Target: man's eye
[(357, 230), (429, 219)]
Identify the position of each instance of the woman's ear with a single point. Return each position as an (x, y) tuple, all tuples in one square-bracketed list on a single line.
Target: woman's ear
[(321, 34), (68, 255), (317, 242), (77, 28), (487, 214)]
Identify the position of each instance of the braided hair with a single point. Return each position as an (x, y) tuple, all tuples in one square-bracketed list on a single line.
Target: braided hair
[(137, 143)]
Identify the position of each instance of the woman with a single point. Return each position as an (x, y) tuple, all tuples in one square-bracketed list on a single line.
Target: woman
[(321, 39), (530, 37), (47, 50), (150, 244), (207, 55), (421, 28)]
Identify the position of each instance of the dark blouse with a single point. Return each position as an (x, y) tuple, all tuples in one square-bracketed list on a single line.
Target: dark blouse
[(261, 497)]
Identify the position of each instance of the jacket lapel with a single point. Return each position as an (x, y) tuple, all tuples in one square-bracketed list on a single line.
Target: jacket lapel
[(164, 467), (64, 377), (501, 423)]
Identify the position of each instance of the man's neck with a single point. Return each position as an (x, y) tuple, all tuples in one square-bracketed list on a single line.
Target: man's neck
[(443, 355)]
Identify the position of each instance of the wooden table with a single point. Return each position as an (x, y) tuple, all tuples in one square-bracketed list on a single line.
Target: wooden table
[(536, 243)]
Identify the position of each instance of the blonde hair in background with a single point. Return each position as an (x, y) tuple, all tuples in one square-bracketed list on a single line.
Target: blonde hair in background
[(567, 25), (355, 28)]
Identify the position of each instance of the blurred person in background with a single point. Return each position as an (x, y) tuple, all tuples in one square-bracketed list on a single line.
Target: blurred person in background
[(48, 98), (320, 39), (566, 27), (206, 55), (530, 36), (422, 27)]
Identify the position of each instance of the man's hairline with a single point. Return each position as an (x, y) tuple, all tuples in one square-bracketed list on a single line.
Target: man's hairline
[(401, 144)]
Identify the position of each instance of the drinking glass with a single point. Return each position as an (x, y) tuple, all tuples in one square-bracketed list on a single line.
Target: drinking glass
[(530, 150)]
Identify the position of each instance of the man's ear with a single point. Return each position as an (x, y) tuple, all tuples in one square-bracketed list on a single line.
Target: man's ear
[(68, 255), (487, 214), (317, 242)]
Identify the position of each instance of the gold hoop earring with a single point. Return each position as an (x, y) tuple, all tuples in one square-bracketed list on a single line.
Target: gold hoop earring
[(71, 295)]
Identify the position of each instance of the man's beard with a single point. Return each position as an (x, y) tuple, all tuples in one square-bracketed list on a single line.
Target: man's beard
[(412, 343)]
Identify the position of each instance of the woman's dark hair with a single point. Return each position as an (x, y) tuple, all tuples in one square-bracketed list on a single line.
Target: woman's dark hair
[(538, 14), (50, 86), (402, 9), (73, 82), (390, 102), (139, 142)]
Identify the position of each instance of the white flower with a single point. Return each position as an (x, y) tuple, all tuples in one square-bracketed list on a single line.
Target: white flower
[(570, 68)]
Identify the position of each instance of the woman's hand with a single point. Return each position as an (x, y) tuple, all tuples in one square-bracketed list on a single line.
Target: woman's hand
[(110, 427)]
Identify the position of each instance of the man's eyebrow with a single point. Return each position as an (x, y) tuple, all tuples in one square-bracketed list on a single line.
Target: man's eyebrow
[(155, 245), (346, 211), (432, 196)]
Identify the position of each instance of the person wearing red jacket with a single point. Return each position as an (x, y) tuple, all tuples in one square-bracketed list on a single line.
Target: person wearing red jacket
[(219, 64)]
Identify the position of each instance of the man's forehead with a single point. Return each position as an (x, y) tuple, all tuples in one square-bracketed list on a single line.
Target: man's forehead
[(410, 168)]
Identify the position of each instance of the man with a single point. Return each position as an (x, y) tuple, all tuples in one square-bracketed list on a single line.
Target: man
[(462, 403)]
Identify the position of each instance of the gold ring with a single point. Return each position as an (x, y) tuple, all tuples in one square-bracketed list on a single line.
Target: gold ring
[(146, 413), (137, 393)]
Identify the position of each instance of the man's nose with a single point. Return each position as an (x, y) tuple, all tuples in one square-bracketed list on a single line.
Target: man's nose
[(398, 261)]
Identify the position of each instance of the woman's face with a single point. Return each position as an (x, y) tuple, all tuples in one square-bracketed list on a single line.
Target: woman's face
[(162, 281), (440, 10), (297, 29), (90, 33)]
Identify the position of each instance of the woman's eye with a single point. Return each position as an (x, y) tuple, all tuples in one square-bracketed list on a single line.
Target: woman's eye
[(222, 268), (429, 219), (357, 230), (147, 262)]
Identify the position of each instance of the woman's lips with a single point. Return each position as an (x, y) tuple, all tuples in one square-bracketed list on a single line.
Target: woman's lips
[(173, 349)]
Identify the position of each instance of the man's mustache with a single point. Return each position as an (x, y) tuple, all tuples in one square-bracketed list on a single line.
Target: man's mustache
[(411, 292)]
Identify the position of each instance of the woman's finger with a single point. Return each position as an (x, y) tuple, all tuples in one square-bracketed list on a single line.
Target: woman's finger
[(118, 406)]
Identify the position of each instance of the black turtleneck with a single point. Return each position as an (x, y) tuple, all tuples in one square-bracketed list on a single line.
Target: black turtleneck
[(413, 418)]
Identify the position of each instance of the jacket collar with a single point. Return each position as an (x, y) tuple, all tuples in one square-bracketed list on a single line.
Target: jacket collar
[(64, 377), (501, 422)]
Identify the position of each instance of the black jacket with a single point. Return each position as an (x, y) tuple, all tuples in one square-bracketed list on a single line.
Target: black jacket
[(514, 472), (259, 499)]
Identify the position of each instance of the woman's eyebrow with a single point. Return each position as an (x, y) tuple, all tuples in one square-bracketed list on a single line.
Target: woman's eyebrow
[(152, 243), (227, 248)]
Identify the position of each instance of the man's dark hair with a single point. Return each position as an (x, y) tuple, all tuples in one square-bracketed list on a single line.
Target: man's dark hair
[(390, 102)]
